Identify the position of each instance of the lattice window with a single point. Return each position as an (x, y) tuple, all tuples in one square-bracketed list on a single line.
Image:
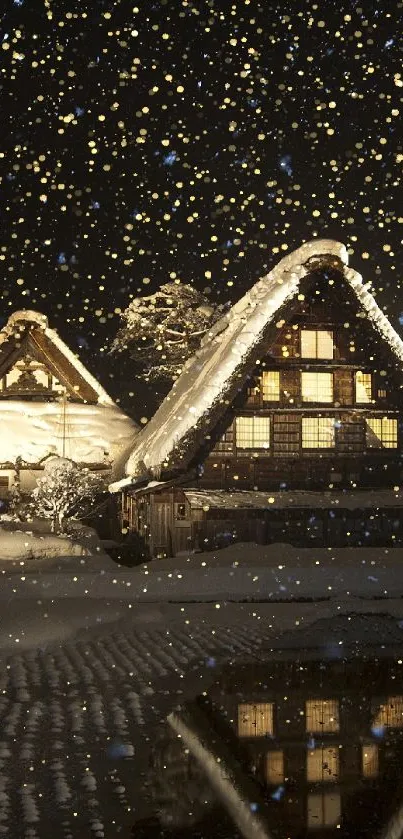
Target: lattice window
[(252, 432), (316, 343), (318, 433), (322, 715), (275, 767), (363, 387), (255, 720), (323, 810), (323, 765), (370, 761), (270, 384), (381, 433), (317, 387), (390, 713)]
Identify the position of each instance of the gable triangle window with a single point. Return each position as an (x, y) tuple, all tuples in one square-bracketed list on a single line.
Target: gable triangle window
[(317, 343)]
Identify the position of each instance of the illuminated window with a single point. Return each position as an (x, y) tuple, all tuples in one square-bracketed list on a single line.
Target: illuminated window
[(252, 432), (382, 394), (323, 765), (390, 714), (381, 433), (324, 810), (270, 385), (370, 762), (275, 768), (363, 387), (317, 432), (316, 343), (322, 715), (255, 720), (317, 387)]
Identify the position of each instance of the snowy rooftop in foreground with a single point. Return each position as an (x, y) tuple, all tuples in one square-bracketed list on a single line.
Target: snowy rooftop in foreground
[(33, 430), (207, 376)]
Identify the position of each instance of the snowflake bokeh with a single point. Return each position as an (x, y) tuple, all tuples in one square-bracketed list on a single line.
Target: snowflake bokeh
[(197, 141)]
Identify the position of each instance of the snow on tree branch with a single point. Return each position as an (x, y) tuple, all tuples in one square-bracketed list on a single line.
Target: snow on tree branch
[(65, 490), (163, 330)]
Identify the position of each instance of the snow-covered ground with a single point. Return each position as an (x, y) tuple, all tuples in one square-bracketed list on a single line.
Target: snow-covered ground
[(242, 571)]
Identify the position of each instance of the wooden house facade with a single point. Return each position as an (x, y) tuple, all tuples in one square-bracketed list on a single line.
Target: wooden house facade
[(297, 404)]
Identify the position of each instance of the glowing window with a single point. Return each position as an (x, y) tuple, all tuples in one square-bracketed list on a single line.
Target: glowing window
[(317, 387), (324, 810), (363, 387), (270, 385), (322, 715), (316, 343), (252, 432), (255, 720), (318, 433), (323, 765), (275, 768), (381, 433), (390, 714), (370, 761)]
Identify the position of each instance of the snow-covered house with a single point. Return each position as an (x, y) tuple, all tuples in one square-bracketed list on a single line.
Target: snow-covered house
[(284, 426), (51, 405)]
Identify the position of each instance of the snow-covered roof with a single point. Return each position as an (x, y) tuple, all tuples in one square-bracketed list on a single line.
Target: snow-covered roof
[(27, 316), (208, 377), (351, 500), (90, 434)]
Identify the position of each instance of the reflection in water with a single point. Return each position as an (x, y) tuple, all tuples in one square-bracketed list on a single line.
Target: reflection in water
[(287, 750)]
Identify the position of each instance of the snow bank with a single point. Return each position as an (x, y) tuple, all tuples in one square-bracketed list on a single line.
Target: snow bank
[(22, 545)]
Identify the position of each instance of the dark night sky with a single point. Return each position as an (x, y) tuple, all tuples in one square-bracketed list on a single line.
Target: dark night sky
[(192, 140)]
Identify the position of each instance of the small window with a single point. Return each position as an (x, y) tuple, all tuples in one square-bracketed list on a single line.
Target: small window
[(270, 385), (324, 810), (381, 394), (4, 482), (180, 512), (381, 433), (317, 387), (255, 720), (318, 433), (323, 765), (370, 761), (316, 343), (322, 716), (252, 432), (275, 768), (390, 714), (363, 387)]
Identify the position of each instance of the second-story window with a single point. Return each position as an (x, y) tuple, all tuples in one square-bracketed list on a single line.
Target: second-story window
[(316, 343), (252, 432), (317, 387), (363, 387), (270, 384)]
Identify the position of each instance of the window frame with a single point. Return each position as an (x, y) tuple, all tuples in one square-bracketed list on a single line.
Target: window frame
[(383, 443), (275, 373), (253, 448), (317, 332), (318, 401), (363, 401), (310, 448)]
